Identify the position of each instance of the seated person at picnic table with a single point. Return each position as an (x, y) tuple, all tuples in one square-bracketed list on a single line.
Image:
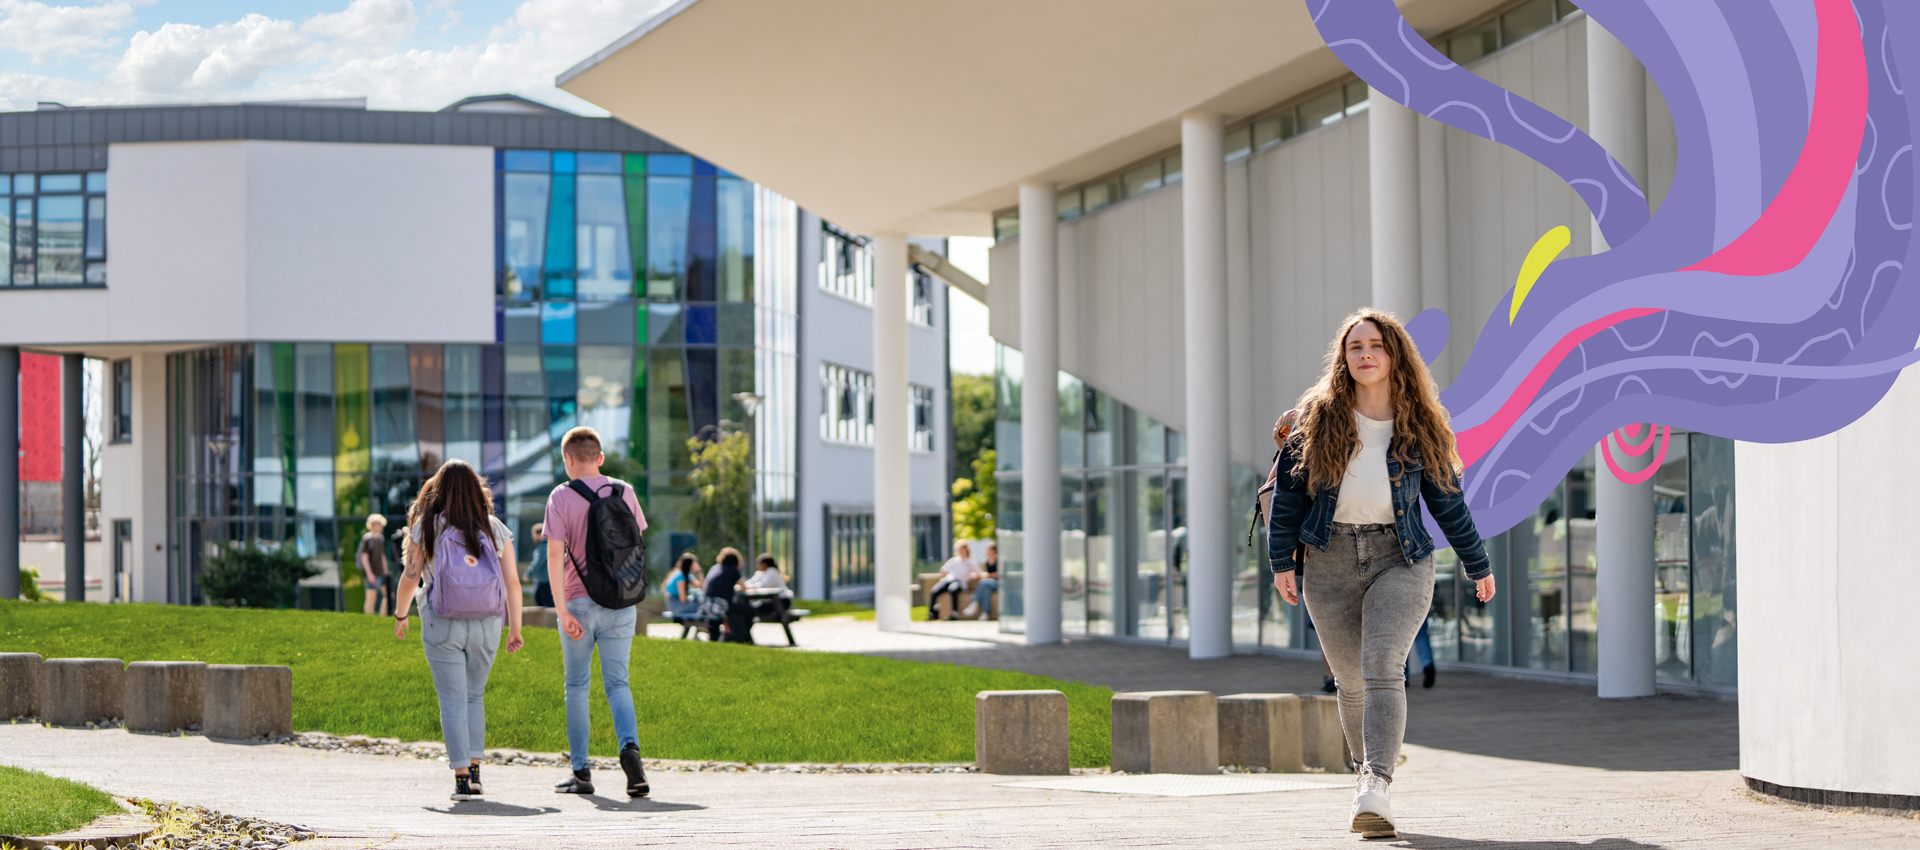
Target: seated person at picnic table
[(768, 577), (722, 581), (683, 586), (955, 576)]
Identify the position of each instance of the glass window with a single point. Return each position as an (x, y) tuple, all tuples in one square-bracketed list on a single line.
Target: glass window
[(597, 163), (313, 428), (703, 326), (1474, 42), (1715, 597), (922, 440), (1103, 416), (563, 162), (62, 239), (667, 430), (1006, 418), (1525, 20), (734, 224), (1105, 526), (1148, 439), (1068, 204), (1443, 616), (605, 265), (1073, 555), (1484, 626), (6, 241), (920, 308), (1170, 166), (528, 419), (846, 264), (609, 324), (96, 182), (1099, 195), (556, 323), (1566, 7), (353, 430), (59, 182), (521, 324), (1583, 565), (122, 401), (736, 378), (1150, 542), (524, 231), (1073, 400), (23, 184), (562, 260), (1266, 131), (677, 164), (96, 229), (391, 386), (1541, 546), (846, 405), (1322, 109), (540, 161), (1239, 143), (636, 163), (427, 368), (702, 243), (606, 394), (1008, 540), (669, 203), (736, 324), (1177, 556), (1006, 225), (1356, 97), (664, 325), (1142, 179), (464, 395), (1672, 562)]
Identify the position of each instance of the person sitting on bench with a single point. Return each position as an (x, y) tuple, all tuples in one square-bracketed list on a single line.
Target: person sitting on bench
[(722, 581), (683, 587), (768, 577), (955, 576)]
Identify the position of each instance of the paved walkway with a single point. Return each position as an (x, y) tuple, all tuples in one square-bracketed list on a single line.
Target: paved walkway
[(1491, 762)]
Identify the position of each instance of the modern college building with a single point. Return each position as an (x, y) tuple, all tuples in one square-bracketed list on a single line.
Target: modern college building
[(306, 307), (1187, 198)]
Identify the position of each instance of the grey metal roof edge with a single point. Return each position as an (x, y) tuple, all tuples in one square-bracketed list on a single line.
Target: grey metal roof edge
[(621, 43)]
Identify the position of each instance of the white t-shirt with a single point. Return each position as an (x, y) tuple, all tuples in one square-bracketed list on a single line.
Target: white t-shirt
[(773, 579), (1366, 496), (960, 569)]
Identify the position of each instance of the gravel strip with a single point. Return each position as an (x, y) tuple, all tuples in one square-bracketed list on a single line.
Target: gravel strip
[(195, 828)]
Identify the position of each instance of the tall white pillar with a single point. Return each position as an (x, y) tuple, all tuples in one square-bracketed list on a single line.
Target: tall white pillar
[(1393, 202), (892, 493), (1040, 410), (1617, 114), (1203, 195)]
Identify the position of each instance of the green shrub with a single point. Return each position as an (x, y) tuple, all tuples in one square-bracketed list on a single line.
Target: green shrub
[(30, 585), (248, 575)]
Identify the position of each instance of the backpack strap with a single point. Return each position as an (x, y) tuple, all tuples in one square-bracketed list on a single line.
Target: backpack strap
[(578, 486), (586, 492)]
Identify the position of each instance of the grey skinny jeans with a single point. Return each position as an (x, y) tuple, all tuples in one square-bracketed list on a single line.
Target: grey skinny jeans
[(1367, 604), (460, 655)]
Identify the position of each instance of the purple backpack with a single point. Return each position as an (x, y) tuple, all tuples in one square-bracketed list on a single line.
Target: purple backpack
[(466, 585)]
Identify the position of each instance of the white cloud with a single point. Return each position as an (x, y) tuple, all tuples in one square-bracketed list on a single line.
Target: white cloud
[(39, 30), (360, 50)]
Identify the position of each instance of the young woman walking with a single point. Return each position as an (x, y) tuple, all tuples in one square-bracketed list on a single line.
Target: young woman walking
[(464, 556), (1372, 444)]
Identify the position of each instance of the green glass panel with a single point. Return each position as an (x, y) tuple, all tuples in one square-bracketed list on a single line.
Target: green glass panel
[(636, 163), (667, 429), (352, 431), (560, 240), (283, 384), (637, 227)]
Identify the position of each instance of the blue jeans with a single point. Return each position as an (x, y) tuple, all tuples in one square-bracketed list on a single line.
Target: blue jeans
[(460, 655), (612, 631), (687, 608), (1423, 646), (983, 594)]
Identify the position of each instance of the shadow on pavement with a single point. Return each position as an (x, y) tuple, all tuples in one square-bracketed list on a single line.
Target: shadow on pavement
[(609, 804), (1436, 842), (489, 808), (1467, 712)]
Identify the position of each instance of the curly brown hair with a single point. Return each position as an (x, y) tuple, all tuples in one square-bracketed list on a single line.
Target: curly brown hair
[(1327, 434)]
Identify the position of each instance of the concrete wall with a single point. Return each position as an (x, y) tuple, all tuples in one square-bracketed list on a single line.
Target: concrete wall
[(133, 481), (1827, 581), (257, 240)]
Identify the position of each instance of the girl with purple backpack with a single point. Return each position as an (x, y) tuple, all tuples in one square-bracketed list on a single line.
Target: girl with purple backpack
[(464, 556)]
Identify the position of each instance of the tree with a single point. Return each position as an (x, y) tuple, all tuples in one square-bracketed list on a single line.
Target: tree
[(973, 403), (722, 479), (974, 503), (248, 575)]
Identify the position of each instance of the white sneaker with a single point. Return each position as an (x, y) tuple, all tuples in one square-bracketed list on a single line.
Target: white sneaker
[(1372, 813), (971, 611)]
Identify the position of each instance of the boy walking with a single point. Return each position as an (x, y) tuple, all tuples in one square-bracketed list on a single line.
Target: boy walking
[(584, 623)]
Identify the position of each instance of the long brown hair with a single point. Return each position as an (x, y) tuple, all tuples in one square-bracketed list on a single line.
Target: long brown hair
[(1328, 435), (462, 496)]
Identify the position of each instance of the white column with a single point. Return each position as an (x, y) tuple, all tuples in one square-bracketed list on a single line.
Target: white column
[(1393, 202), (1203, 195), (1040, 410), (892, 493), (1617, 113)]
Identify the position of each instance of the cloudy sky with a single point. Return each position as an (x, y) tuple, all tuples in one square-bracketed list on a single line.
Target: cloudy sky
[(399, 54)]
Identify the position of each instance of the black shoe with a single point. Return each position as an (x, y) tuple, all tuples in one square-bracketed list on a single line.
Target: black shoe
[(1331, 687), (636, 771), (473, 779), (581, 782), (1426, 676), (463, 789)]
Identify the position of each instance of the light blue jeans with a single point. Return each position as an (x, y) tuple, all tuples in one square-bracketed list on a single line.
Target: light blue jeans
[(460, 655), (983, 594), (612, 631)]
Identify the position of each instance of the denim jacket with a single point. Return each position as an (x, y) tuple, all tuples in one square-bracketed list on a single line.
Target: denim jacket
[(1295, 519)]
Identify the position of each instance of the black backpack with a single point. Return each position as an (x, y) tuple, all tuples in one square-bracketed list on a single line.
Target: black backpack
[(615, 569)]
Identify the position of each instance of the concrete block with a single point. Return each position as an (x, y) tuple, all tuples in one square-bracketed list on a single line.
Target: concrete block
[(1261, 730), (74, 691), (536, 617), (1166, 732), (1323, 744), (1020, 733), (245, 702), (19, 685), (165, 695)]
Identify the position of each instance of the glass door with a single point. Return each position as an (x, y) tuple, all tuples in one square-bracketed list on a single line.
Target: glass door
[(1177, 554)]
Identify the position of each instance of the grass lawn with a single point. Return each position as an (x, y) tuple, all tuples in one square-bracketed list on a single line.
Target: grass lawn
[(696, 700), (823, 608), (34, 803)]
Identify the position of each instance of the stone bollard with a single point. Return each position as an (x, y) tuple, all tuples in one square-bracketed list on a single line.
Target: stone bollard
[(1166, 732), (165, 695), (1322, 742), (1261, 730), (76, 691), (19, 685), (1021, 733), (245, 702), (536, 617)]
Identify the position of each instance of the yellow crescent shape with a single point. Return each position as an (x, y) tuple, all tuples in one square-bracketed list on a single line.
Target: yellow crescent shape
[(1539, 256)]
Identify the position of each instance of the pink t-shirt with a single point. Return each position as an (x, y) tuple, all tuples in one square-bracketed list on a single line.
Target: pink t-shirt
[(567, 523)]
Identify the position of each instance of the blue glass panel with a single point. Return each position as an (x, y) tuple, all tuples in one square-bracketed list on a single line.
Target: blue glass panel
[(96, 181), (598, 163), (23, 184), (524, 231), (6, 186), (499, 322), (702, 244), (557, 323), (702, 168), (670, 164), (668, 202), (605, 264), (721, 172), (96, 228), (541, 161), (560, 236), (563, 162), (663, 324), (703, 393), (703, 326), (59, 182)]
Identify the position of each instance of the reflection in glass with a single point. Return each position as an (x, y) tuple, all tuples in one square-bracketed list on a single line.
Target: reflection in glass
[(702, 243), (667, 429), (1105, 524), (394, 448), (524, 232), (1006, 397), (1073, 400), (428, 367), (96, 229), (1177, 556), (669, 202), (353, 430), (23, 242), (1484, 626), (1251, 579), (1102, 421), (1073, 557), (1672, 559), (734, 221), (703, 377), (605, 263), (664, 326), (556, 323), (1150, 542), (1583, 618), (62, 238), (528, 462), (1715, 598), (1525, 20), (271, 467), (313, 428), (1010, 541), (463, 388), (1443, 617), (1148, 439), (1322, 109), (605, 324), (562, 260), (1542, 547)]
